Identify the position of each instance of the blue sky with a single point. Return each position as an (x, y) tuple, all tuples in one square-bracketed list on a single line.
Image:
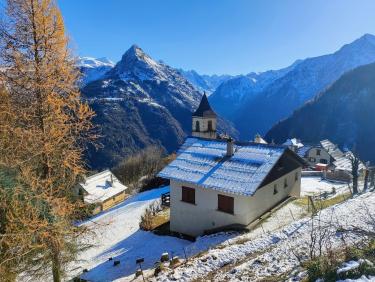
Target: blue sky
[(217, 36)]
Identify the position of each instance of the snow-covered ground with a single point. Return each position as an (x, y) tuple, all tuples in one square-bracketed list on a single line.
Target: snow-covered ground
[(274, 253), (116, 234), (313, 185)]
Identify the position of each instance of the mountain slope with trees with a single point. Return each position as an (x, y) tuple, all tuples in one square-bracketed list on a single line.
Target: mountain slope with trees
[(343, 113)]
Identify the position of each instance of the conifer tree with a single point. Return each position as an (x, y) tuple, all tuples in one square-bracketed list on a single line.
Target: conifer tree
[(44, 128)]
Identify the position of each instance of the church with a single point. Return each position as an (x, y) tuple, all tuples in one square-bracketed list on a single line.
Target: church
[(218, 182)]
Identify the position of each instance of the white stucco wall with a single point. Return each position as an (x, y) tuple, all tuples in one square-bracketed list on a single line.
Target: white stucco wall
[(194, 219), (313, 154)]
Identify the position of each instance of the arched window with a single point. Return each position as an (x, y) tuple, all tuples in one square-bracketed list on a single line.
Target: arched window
[(197, 127), (210, 125)]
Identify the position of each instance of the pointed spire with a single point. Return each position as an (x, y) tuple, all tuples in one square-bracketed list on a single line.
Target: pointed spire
[(204, 108)]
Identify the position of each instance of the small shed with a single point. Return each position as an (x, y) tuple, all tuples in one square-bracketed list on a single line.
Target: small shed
[(102, 189)]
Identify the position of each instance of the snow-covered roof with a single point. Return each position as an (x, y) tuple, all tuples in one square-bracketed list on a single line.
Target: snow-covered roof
[(102, 186), (302, 151), (204, 162), (332, 149), (344, 163), (258, 139), (293, 142)]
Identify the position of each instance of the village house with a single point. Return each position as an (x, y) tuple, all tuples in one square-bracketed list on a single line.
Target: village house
[(327, 157), (103, 190), (294, 144), (315, 155), (219, 182)]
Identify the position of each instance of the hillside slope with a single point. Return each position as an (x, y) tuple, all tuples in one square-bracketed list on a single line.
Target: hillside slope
[(343, 113)]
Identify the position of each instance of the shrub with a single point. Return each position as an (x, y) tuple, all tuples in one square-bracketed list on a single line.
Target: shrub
[(321, 267), (159, 267), (147, 219)]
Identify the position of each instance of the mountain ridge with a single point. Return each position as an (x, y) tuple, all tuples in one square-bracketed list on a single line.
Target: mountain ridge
[(340, 113), (309, 77)]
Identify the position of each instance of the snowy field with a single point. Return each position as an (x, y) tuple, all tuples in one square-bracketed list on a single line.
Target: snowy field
[(313, 185), (117, 235)]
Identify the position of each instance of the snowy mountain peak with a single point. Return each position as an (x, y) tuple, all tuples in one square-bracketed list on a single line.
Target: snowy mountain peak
[(135, 53), (90, 62), (93, 69), (107, 61), (365, 43), (369, 37), (135, 50), (136, 64)]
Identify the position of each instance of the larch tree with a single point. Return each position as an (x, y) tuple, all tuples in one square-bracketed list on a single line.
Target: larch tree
[(45, 127)]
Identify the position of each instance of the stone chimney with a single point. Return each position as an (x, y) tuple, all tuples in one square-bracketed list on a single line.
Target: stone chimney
[(230, 147)]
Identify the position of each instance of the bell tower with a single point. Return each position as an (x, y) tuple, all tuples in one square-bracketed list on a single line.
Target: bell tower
[(204, 120)]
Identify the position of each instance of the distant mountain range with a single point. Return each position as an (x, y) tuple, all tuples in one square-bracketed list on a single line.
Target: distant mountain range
[(344, 113), (261, 100), (140, 102), (203, 82), (229, 97)]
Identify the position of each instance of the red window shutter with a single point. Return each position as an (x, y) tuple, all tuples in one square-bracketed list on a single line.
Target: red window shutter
[(225, 204), (188, 195)]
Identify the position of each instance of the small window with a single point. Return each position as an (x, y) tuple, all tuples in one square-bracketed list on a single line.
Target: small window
[(225, 204), (197, 126), (312, 159), (318, 152), (323, 161), (210, 125), (188, 195), (275, 189), (296, 176), (285, 183)]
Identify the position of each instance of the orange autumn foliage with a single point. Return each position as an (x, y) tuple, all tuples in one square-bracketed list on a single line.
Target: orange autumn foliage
[(44, 128)]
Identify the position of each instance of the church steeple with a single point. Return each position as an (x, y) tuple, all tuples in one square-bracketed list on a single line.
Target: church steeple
[(204, 120)]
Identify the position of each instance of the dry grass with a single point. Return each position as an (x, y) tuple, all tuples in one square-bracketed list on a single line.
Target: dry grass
[(322, 204), (161, 218)]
